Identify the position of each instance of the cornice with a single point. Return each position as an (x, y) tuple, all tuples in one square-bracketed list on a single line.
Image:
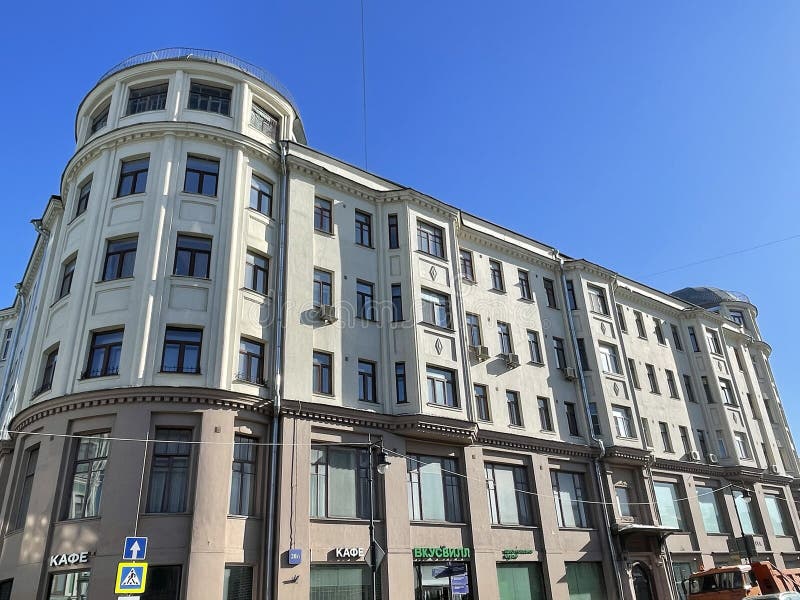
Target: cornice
[(763, 346), (627, 292), (627, 455), (322, 175), (465, 232), (114, 396), (540, 445)]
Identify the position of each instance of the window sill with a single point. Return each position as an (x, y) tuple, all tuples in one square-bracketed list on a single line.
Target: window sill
[(166, 514), (453, 408), (329, 234), (512, 526), (547, 431), (75, 219), (244, 517), (536, 363), (371, 402), (436, 256), (439, 523), (185, 277), (366, 320), (577, 529), (627, 438), (469, 281), (163, 372), (93, 377), (353, 520), (484, 421), (527, 300), (323, 395), (265, 295), (520, 427), (198, 195), (58, 301), (270, 219), (79, 519), (363, 246), (144, 193), (208, 112), (552, 307), (497, 291), (437, 327), (600, 314), (102, 281)]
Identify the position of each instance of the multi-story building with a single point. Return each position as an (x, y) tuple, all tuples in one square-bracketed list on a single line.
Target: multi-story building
[(225, 340)]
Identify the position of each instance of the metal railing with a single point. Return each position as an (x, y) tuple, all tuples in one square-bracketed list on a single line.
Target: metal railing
[(211, 56)]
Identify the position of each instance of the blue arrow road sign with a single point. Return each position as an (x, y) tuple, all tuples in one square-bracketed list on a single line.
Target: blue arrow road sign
[(135, 548)]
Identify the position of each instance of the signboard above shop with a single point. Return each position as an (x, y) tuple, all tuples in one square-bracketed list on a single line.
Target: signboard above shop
[(442, 553)]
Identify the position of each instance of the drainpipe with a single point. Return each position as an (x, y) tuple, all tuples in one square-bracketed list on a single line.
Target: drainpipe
[(270, 548), (598, 441)]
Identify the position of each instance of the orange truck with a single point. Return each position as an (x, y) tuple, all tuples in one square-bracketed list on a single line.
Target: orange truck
[(736, 582)]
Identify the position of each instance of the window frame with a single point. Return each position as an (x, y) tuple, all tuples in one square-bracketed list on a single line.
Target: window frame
[(250, 359), (163, 449), (482, 408), (365, 300), (535, 347), (25, 488), (255, 272), (505, 337), (323, 214), (120, 249), (245, 504), (108, 349), (577, 506), (598, 302), (623, 422), (467, 265), (452, 491), (397, 303), (515, 418), (322, 373), (367, 381), (393, 227), (182, 347), (550, 292), (363, 229), (431, 239), (67, 275), (496, 275), (560, 353), (320, 477), (48, 370), (84, 194), (437, 376), (321, 287), (150, 97), (524, 285), (474, 333), (545, 414), (196, 247), (400, 383), (130, 170), (259, 116), (571, 414), (200, 98), (436, 305), (520, 489), (261, 193), (92, 474)]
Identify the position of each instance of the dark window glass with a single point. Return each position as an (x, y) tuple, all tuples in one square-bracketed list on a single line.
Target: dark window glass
[(367, 388), (182, 350), (397, 302), (550, 292), (192, 256), (482, 402), (66, 278), (323, 288), (693, 340), (514, 409), (394, 232), (436, 309), (666, 440), (496, 272), (260, 195), (100, 120), (133, 177), (572, 419), (524, 285), (263, 121), (509, 502), (339, 482), (243, 478), (569, 491), (634, 373), (597, 300), (104, 353), (430, 239), (210, 98), (169, 472), (651, 378), (163, 583), (474, 330), (323, 373), (83, 198), (676, 337), (671, 384), (535, 347), (400, 382), (504, 334), (623, 325), (202, 175), (120, 259), (687, 444), (6, 343), (640, 330), (595, 419), (658, 331), (88, 473), (707, 389), (582, 355), (73, 585), (442, 387), (323, 220), (365, 307), (49, 371), (558, 349), (26, 486), (467, 269), (251, 361), (545, 419), (434, 489), (687, 384), (571, 300), (144, 99), (256, 272), (238, 583), (363, 229), (701, 439)]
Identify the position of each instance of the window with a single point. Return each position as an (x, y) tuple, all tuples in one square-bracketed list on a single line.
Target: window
[(693, 340), (467, 269), (561, 358), (623, 500), (595, 419), (73, 585), (436, 309), (5, 589), (323, 288), (441, 387), (572, 419), (434, 488), (640, 331), (238, 583), (496, 272), (367, 389), (67, 273), (751, 403), (331, 581), (550, 292), (192, 256), (263, 121), (623, 325), (666, 440), (182, 350), (323, 373), (744, 508), (210, 98), (169, 472), (323, 215), (522, 580), (545, 419), (685, 441), (609, 361), (671, 384), (474, 330), (397, 302), (400, 382), (571, 300), (256, 273), (535, 347), (713, 341), (430, 239), (509, 504), (482, 402), (709, 509), (363, 229), (646, 436), (687, 385), (707, 389), (394, 232), (723, 449), (701, 441), (768, 410), (201, 176), (569, 493), (583, 358), (504, 333), (6, 343), (658, 331), (651, 378), (597, 299), (120, 258), (668, 504), (145, 99), (777, 514), (524, 285), (243, 477), (728, 397), (622, 421), (48, 372), (133, 177), (163, 583), (251, 361), (365, 308), (738, 355), (634, 373), (676, 337), (88, 473), (742, 445), (100, 119), (585, 580), (737, 316), (26, 487), (261, 195), (514, 409), (83, 197), (104, 353)]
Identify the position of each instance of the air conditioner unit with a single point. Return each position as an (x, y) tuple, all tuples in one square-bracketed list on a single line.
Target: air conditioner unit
[(570, 373), (694, 455), (712, 459), (774, 469), (326, 313), (512, 360), (480, 352)]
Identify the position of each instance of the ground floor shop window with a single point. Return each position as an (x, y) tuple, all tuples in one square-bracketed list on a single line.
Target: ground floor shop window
[(340, 582), (5, 589), (585, 581), (520, 581), (442, 581), (238, 583), (69, 586), (681, 571), (163, 583)]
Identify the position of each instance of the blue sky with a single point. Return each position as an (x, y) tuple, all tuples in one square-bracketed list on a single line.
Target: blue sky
[(640, 136)]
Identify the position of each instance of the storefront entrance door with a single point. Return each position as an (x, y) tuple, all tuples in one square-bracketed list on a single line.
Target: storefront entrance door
[(433, 580), (641, 583)]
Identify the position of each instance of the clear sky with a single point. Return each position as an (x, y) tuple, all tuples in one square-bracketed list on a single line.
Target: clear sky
[(641, 136)]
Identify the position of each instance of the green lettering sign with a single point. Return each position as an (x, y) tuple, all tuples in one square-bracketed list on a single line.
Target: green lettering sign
[(442, 552)]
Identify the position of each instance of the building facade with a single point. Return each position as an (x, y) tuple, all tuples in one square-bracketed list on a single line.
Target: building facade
[(263, 359)]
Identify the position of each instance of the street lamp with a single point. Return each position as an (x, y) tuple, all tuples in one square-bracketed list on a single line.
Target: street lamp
[(746, 498), (380, 466)]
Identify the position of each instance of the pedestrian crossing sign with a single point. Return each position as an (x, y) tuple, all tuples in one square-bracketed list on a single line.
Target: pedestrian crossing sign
[(131, 577)]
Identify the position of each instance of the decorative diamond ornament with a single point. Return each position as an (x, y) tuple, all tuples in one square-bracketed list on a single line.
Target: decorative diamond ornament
[(439, 346), (616, 388), (433, 273)]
